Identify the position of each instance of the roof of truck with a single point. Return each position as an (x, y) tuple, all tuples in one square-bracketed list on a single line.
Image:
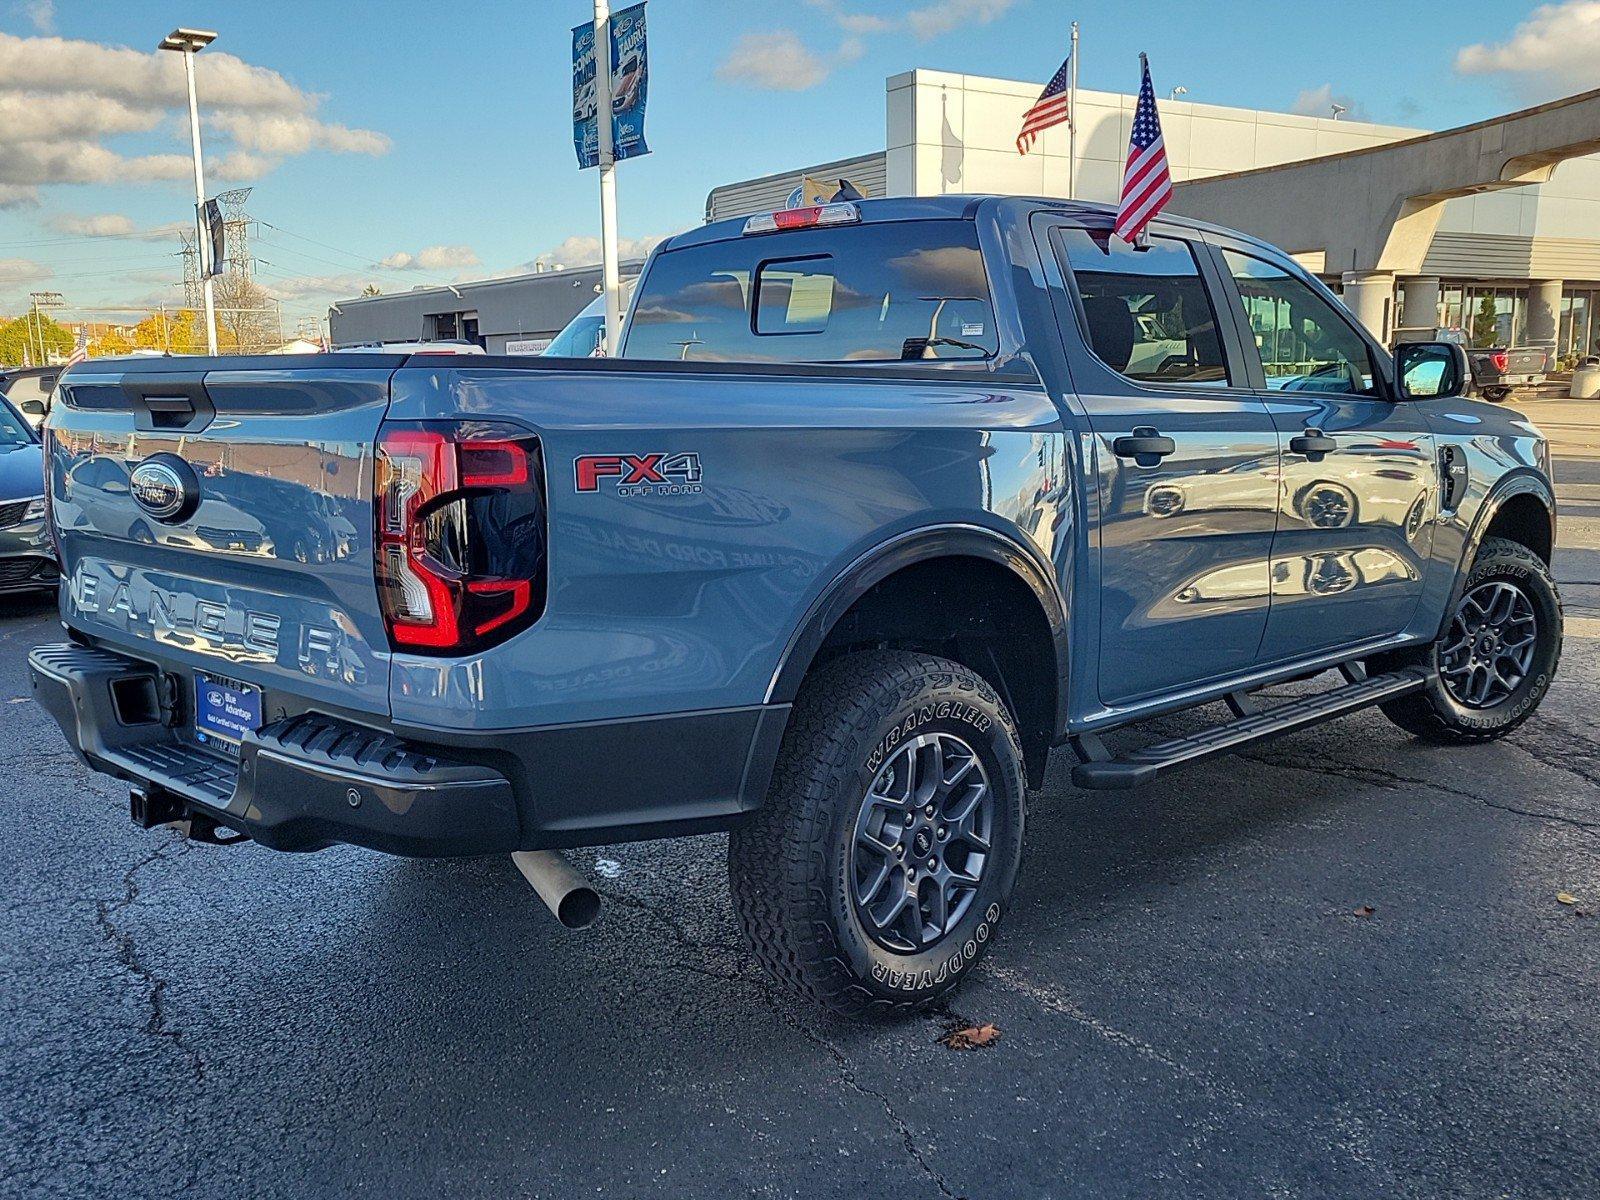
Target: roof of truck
[(935, 208)]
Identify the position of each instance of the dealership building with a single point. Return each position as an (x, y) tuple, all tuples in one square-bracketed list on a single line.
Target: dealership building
[(1532, 249), (518, 314)]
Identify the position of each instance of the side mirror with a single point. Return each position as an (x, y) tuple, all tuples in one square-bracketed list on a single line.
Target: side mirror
[(1430, 370), (32, 408)]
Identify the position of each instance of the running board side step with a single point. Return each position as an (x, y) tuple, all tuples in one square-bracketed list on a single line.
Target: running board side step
[(1101, 772)]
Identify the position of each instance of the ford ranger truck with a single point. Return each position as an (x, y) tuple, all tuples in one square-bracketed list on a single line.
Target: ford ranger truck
[(878, 504)]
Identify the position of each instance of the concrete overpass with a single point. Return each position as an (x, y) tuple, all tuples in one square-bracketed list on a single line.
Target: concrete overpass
[(1373, 212)]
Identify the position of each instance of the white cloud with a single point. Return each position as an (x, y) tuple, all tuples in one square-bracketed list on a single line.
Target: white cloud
[(296, 133), (22, 270), (309, 291), (777, 61), (937, 19), (853, 22), (115, 225), (1319, 102), (1554, 50), (40, 13), (582, 250), (61, 99), (433, 258)]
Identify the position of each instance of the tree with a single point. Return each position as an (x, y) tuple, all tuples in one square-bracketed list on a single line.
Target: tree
[(372, 289), (20, 337), (1485, 323), (173, 332), (248, 321), (113, 341)]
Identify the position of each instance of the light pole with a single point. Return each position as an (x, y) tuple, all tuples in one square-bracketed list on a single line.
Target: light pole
[(41, 301), (189, 42)]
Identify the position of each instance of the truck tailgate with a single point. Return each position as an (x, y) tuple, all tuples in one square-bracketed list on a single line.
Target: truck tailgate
[(217, 516)]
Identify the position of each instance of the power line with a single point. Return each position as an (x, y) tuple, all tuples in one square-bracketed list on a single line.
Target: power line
[(366, 260)]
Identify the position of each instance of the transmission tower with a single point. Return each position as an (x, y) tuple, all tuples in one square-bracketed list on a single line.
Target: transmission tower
[(236, 231), (193, 298)]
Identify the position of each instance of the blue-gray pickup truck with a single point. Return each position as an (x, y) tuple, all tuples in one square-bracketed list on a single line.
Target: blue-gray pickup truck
[(878, 504)]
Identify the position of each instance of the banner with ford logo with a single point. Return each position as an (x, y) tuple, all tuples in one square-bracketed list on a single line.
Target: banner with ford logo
[(629, 80)]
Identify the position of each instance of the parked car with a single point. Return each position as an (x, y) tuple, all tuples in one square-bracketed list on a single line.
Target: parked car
[(584, 335), (422, 347), (29, 390), (27, 562), (878, 504), (1498, 369)]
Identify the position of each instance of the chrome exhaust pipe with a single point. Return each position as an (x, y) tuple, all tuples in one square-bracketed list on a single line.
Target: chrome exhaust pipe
[(565, 893)]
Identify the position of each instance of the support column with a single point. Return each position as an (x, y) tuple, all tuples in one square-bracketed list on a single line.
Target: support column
[(1370, 296), (1544, 312), (1421, 306)]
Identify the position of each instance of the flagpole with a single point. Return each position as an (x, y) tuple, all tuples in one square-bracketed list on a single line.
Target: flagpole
[(609, 279), (1072, 120)]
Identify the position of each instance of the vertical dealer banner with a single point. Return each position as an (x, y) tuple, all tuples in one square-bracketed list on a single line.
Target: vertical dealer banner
[(629, 84)]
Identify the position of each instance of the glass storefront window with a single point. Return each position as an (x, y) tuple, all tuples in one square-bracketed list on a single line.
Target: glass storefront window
[(1580, 330)]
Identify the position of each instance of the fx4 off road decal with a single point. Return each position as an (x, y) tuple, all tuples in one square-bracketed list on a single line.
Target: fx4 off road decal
[(639, 474)]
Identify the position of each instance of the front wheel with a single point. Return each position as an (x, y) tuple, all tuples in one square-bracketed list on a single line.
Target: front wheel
[(879, 869), (1496, 659)]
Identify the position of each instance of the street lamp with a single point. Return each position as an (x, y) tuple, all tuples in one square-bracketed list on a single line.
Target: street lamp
[(189, 42)]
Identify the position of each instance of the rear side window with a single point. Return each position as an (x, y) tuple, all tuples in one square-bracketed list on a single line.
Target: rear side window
[(1148, 314), (905, 291)]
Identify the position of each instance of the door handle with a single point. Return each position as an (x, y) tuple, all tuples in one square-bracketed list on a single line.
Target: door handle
[(1313, 443), (1144, 445)]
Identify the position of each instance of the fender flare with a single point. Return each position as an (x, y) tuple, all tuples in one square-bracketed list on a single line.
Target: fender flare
[(919, 545), (1523, 483)]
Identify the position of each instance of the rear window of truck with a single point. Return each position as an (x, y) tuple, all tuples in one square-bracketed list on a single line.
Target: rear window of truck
[(903, 292)]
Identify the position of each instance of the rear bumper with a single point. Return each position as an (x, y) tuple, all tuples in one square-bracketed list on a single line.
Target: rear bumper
[(301, 783), (311, 780)]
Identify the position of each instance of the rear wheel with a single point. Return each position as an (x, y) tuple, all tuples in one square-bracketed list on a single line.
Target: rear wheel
[(1495, 661), (878, 870)]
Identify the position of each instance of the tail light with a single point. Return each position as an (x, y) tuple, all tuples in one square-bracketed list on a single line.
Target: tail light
[(461, 534), (1500, 360)]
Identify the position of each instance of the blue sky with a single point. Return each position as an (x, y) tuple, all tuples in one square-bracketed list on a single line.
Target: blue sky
[(373, 132)]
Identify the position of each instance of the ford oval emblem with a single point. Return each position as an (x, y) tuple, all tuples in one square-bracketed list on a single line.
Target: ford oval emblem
[(165, 487)]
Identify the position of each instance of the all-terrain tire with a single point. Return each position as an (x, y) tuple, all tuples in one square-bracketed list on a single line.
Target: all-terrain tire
[(793, 864), (1435, 714)]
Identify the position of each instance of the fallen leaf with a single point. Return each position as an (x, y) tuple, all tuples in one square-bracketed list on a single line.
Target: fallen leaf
[(971, 1037), (1364, 910), (1566, 898)]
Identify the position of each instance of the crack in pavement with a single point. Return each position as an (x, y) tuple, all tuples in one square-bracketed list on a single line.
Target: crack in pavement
[(1050, 999), (1394, 781), (776, 1003), (847, 1074), (128, 955)]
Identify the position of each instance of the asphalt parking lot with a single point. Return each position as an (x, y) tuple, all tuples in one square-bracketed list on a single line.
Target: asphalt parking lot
[(1192, 996)]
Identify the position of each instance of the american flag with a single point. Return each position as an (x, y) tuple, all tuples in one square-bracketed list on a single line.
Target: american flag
[(81, 350), (1053, 107), (1147, 183)]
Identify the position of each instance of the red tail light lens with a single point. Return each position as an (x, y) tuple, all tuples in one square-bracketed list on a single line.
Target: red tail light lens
[(460, 515), (1500, 359)]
